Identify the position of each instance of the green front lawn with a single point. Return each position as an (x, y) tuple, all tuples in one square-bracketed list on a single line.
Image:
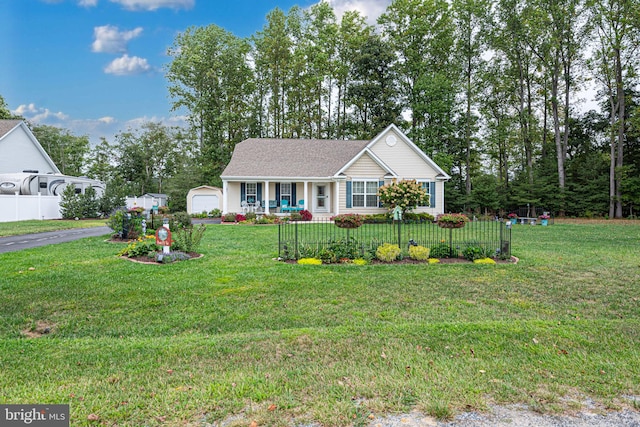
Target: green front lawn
[(237, 333), (36, 226)]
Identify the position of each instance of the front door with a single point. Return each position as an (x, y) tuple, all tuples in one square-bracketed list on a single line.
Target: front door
[(321, 198)]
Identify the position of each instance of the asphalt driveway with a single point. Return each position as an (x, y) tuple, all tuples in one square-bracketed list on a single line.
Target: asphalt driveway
[(26, 241)]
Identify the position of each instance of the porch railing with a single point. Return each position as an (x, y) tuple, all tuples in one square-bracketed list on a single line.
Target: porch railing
[(300, 236)]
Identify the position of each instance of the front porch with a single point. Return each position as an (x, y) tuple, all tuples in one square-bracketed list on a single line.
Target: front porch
[(321, 198)]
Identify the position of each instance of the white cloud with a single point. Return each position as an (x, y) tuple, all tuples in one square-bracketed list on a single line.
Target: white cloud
[(37, 114), (88, 3), (126, 65), (155, 4), (371, 9), (107, 120), (111, 40)]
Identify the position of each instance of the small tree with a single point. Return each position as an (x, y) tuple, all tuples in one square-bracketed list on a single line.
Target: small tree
[(89, 203), (71, 203), (407, 194)]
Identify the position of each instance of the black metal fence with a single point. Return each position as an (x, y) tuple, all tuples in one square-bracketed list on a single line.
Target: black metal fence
[(297, 238)]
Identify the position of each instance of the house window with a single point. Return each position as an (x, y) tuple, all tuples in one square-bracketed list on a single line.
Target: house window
[(365, 194), (285, 192), (252, 192), (429, 188)]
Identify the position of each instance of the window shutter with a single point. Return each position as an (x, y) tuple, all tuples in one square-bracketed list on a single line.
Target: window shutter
[(243, 191), (277, 194), (432, 194), (259, 190), (294, 201), (349, 194), (380, 184)]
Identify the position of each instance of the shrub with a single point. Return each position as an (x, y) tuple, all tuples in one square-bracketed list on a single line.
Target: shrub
[(377, 218), (125, 227), (143, 246), (229, 217), (250, 216), (171, 257), (188, 239), (216, 213), (388, 252), (327, 256), (240, 218), (179, 220), (484, 261), (306, 215), (360, 261), (475, 251), (295, 216), (407, 194), (433, 260), (441, 250), (418, 217), (344, 248), (310, 261), (419, 253)]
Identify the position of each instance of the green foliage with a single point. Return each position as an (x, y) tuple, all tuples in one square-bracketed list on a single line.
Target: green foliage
[(65, 149), (70, 204), (250, 216), (442, 250), (187, 238), (141, 247), (229, 217), (349, 220), (406, 194), (419, 253), (388, 252), (179, 220), (473, 252), (125, 225), (484, 261)]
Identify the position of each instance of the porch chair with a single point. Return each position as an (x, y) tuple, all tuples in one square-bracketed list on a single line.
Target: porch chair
[(244, 206), (284, 206), (300, 204)]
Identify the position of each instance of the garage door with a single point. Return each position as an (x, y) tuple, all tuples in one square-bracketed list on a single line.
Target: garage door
[(204, 203)]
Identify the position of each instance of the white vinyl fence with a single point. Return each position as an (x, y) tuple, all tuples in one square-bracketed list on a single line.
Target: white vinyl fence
[(20, 208)]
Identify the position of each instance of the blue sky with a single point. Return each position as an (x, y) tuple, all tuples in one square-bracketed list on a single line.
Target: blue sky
[(96, 67)]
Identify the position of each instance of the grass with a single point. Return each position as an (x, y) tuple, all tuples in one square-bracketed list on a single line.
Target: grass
[(236, 334), (36, 226)]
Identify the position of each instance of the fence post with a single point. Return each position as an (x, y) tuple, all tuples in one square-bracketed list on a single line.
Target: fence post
[(295, 249)]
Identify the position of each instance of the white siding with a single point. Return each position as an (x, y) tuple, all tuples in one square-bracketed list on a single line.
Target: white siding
[(18, 153), (403, 160)]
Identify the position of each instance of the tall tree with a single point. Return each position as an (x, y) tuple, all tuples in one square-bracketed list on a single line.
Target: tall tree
[(65, 149), (617, 23), (209, 75)]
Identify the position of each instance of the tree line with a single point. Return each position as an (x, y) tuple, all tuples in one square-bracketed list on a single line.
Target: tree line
[(490, 89)]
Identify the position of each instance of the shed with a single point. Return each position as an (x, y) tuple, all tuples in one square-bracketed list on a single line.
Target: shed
[(204, 199)]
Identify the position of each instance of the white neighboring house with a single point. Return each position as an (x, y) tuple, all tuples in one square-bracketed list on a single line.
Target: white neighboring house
[(31, 184), (204, 199), (328, 177)]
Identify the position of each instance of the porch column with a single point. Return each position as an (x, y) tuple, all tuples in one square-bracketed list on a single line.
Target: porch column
[(225, 192), (336, 200), (306, 195), (266, 197)]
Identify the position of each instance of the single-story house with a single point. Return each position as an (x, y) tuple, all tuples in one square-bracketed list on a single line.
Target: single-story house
[(204, 199), (327, 177)]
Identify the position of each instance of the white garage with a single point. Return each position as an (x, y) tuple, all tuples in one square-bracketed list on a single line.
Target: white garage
[(204, 199)]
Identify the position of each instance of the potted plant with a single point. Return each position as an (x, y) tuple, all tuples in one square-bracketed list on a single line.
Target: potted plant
[(452, 220), (513, 216), (348, 220), (544, 219)]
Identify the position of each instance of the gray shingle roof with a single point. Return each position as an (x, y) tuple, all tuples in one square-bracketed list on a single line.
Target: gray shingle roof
[(7, 125), (290, 158)]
